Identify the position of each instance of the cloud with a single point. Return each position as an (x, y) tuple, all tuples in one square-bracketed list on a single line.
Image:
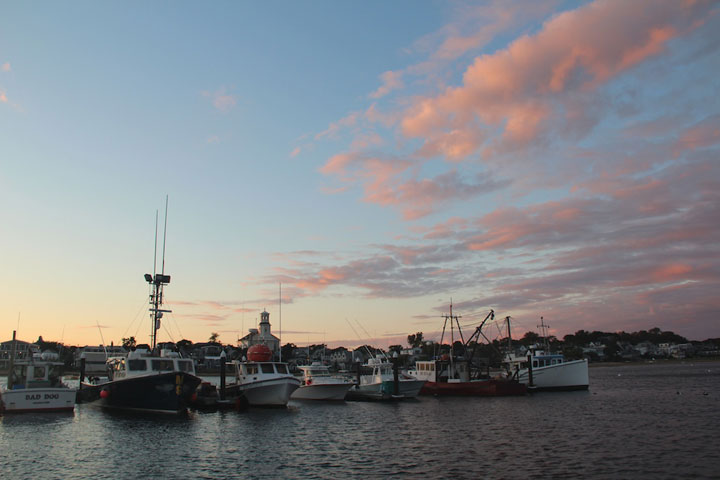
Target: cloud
[(390, 81), (596, 259), (5, 67), (705, 133), (600, 158), (513, 104), (521, 89), (221, 99)]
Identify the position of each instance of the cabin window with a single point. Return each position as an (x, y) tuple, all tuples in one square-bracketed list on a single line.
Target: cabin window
[(250, 369), (267, 368), (161, 365), (432, 367), (535, 363), (39, 372), (184, 365), (282, 368), (134, 365)]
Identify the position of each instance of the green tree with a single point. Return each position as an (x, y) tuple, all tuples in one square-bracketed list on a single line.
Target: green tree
[(185, 346), (415, 340), (530, 338), (288, 350), (129, 343), (214, 337)]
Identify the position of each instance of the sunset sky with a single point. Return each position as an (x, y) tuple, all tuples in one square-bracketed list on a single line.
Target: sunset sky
[(540, 158)]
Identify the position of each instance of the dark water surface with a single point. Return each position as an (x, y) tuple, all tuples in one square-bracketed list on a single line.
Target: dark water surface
[(637, 421)]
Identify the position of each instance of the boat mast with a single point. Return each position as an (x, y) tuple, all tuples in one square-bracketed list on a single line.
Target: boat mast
[(280, 315), (11, 372), (507, 319), (452, 318), (158, 281), (544, 331)]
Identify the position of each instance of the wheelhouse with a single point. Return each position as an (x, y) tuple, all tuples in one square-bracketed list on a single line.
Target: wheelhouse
[(32, 375)]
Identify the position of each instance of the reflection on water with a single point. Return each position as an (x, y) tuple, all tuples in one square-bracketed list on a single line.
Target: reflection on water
[(636, 421)]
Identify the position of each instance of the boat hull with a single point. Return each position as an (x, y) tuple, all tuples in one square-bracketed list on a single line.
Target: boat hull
[(265, 393), (475, 388), (406, 388), (322, 391), (163, 393), (27, 400), (385, 390), (565, 376)]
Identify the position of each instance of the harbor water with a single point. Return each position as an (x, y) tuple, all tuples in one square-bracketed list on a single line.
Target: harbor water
[(636, 421)]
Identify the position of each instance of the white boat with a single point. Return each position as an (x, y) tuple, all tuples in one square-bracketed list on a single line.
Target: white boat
[(96, 358), (319, 384), (542, 371), (35, 385), (379, 382), (262, 382)]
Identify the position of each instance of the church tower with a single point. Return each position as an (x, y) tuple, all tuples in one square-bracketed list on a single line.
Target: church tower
[(265, 325)]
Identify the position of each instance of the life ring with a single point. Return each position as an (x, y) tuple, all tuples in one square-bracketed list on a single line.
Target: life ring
[(308, 381)]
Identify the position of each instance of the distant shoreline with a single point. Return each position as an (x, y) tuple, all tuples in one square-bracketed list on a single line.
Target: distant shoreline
[(660, 361)]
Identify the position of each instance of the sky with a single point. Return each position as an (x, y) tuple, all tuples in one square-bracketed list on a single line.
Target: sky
[(355, 167)]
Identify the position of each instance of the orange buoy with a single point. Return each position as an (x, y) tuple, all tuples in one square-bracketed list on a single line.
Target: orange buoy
[(259, 353)]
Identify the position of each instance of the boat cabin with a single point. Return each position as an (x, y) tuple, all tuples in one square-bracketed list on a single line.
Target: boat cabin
[(245, 370), (548, 360), (315, 370), (539, 358), (137, 363), (35, 375), (442, 370)]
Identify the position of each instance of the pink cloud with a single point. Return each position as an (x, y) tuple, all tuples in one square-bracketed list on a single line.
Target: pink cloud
[(333, 129), (702, 135), (519, 86), (5, 67), (221, 100), (390, 81)]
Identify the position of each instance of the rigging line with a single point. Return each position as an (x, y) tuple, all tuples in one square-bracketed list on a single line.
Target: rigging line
[(359, 338), (101, 336), (168, 332), (177, 325), (368, 335), (137, 315), (164, 234)]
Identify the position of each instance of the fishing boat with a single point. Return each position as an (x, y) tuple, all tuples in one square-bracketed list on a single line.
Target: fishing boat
[(451, 374), (452, 377), (35, 385), (542, 370), (379, 379), (148, 380), (261, 381), (319, 384)]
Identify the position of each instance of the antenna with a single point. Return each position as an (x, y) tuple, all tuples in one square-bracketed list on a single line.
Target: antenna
[(155, 249), (164, 235), (158, 281), (280, 309), (101, 337)]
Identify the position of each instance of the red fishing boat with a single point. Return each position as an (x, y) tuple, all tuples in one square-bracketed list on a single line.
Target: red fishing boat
[(455, 375)]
